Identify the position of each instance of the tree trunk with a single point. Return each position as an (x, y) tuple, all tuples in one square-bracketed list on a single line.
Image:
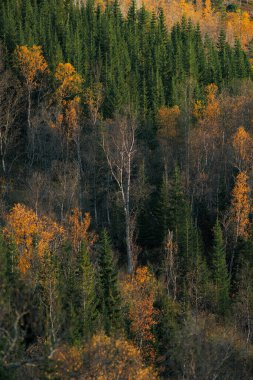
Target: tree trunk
[(30, 130), (128, 242), (127, 207)]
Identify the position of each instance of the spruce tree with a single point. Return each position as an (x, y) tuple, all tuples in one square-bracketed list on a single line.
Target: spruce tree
[(177, 205), (220, 272), (78, 294), (163, 210), (89, 296), (241, 64), (109, 295)]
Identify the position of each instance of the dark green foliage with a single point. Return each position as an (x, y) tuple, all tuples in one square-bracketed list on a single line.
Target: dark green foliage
[(174, 214), (240, 61), (78, 293), (136, 59), (167, 330), (88, 294), (232, 8), (9, 273), (220, 272), (172, 206), (109, 296)]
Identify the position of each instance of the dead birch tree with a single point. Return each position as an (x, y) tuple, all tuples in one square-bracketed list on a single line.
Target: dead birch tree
[(119, 145)]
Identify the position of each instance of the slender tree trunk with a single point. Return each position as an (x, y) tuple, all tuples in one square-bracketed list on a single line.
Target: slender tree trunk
[(30, 130), (95, 195), (2, 153), (80, 169), (95, 137), (128, 241), (29, 110), (127, 212)]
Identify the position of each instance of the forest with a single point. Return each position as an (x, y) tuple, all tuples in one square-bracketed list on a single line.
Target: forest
[(126, 181)]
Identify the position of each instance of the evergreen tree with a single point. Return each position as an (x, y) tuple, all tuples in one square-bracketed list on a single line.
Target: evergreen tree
[(164, 208), (166, 330), (137, 60), (177, 205), (9, 274), (78, 294), (70, 277), (241, 64), (109, 296), (219, 271), (89, 296)]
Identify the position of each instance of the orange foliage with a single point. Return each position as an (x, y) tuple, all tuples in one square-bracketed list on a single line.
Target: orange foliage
[(139, 293), (241, 205), (103, 358), (78, 229), (72, 110), (31, 234), (167, 120), (31, 64)]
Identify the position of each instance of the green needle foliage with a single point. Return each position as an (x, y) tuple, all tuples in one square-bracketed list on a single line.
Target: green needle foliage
[(220, 271), (109, 295)]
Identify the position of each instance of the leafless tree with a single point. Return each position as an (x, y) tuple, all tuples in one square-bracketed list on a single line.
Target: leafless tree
[(94, 97), (10, 96), (65, 186), (171, 265), (119, 145)]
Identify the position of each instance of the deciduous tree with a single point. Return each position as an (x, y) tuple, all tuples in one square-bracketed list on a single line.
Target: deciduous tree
[(139, 292), (33, 67), (119, 145)]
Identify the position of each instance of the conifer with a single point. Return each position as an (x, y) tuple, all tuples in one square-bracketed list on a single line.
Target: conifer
[(109, 295), (220, 271)]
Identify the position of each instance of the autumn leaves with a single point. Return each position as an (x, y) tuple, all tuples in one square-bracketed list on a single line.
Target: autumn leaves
[(33, 68), (35, 236), (32, 64), (241, 205)]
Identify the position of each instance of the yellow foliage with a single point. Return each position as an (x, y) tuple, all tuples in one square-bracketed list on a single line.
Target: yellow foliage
[(32, 235), (236, 24), (208, 113), (70, 83), (93, 98), (198, 109), (70, 86), (239, 26), (31, 63), (242, 144), (78, 229), (212, 109), (211, 92), (103, 358)]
